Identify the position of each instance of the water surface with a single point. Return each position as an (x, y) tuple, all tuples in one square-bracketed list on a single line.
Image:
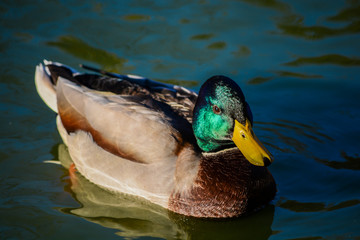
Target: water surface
[(298, 63)]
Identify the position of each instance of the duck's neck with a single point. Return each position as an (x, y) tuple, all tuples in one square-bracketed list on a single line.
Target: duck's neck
[(214, 146)]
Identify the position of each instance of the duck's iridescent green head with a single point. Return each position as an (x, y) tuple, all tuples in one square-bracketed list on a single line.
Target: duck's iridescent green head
[(222, 119)]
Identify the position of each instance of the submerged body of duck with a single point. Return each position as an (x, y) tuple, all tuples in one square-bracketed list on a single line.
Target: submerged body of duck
[(161, 142)]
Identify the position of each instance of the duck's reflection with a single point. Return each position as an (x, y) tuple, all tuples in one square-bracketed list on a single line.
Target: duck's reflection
[(134, 217)]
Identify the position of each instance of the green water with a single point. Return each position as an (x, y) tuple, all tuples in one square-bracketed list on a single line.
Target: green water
[(298, 63)]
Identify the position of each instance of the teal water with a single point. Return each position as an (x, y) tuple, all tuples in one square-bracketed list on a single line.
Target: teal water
[(298, 63)]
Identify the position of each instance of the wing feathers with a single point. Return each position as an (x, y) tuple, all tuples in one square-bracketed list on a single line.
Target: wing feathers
[(116, 124)]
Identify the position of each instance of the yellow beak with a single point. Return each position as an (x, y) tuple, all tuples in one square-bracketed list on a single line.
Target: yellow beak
[(250, 146)]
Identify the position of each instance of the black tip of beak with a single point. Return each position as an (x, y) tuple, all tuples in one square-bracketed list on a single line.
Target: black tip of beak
[(267, 162)]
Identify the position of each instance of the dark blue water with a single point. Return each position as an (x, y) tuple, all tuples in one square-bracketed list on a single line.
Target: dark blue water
[(298, 63)]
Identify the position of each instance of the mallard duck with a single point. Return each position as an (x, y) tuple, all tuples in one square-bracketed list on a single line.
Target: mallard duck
[(194, 154)]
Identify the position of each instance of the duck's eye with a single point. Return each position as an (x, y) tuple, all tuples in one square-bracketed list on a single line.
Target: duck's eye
[(216, 109)]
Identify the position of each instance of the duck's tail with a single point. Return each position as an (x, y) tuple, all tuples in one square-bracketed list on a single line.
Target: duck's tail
[(45, 86), (45, 81)]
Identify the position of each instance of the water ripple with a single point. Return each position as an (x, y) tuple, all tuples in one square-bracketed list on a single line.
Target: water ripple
[(79, 48), (335, 59), (297, 206), (293, 139), (352, 163)]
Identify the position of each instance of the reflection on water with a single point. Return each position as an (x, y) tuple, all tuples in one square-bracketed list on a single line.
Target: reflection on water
[(326, 59), (349, 14), (79, 48), (291, 134), (259, 80), (296, 28), (136, 17), (297, 75), (217, 45), (107, 61), (242, 51), (297, 206), (293, 24), (202, 36), (134, 217), (274, 4), (352, 163)]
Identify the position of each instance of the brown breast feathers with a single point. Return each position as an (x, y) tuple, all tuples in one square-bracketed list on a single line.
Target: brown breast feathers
[(227, 185)]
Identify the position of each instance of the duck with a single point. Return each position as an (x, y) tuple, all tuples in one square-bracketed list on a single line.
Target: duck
[(194, 154)]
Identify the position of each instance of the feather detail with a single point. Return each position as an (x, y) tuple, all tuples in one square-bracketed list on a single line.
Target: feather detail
[(119, 126)]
